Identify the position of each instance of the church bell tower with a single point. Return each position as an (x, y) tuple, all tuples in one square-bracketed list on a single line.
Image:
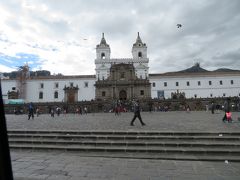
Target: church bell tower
[(103, 49), (139, 49)]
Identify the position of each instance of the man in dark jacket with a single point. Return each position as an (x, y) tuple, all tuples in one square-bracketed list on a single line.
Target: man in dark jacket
[(30, 111), (137, 114)]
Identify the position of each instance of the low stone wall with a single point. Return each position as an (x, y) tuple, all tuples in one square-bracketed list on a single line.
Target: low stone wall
[(46, 107), (108, 106), (197, 104)]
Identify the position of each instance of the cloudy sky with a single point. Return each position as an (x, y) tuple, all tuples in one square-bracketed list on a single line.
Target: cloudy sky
[(61, 35)]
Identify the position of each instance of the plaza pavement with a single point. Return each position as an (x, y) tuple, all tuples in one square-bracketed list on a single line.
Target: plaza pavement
[(66, 166), (29, 165), (180, 121)]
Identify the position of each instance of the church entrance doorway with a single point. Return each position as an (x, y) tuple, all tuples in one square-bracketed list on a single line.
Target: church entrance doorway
[(71, 97), (71, 94), (122, 95)]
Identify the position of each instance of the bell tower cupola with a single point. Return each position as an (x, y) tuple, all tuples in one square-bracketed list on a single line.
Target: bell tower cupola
[(139, 49), (103, 49)]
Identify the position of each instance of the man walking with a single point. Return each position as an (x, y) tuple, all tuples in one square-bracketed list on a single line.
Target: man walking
[(137, 114), (30, 111)]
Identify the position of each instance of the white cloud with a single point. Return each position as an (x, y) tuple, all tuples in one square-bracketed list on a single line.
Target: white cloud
[(56, 30), (5, 69)]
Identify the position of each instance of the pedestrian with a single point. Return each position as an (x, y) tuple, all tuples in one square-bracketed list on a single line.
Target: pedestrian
[(58, 111), (150, 107), (80, 110), (37, 111), (217, 108), (227, 109), (116, 110), (52, 112), (207, 108), (229, 116), (137, 114), (85, 110), (30, 111), (77, 110), (212, 107), (65, 112)]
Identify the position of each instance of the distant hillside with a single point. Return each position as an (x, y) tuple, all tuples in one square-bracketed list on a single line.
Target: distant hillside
[(13, 74), (226, 70), (197, 68)]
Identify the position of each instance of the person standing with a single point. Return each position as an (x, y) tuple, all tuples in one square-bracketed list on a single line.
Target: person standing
[(117, 109), (212, 107), (52, 112), (37, 111), (137, 114), (58, 111), (85, 110), (150, 107), (207, 108), (226, 108), (188, 108), (80, 110), (30, 111)]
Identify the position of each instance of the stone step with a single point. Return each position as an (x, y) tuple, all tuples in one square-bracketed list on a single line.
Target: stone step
[(154, 133), (144, 144), (126, 143), (160, 156), (126, 137), (137, 149)]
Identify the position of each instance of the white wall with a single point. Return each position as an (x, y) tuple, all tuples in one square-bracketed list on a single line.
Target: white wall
[(204, 90), (7, 85), (84, 93)]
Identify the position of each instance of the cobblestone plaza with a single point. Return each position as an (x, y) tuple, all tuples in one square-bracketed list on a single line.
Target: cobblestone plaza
[(50, 165)]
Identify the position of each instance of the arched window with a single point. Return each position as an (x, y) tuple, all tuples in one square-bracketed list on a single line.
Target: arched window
[(139, 54), (103, 56), (55, 94), (40, 95)]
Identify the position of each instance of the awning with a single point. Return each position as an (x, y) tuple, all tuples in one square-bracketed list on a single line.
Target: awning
[(15, 101)]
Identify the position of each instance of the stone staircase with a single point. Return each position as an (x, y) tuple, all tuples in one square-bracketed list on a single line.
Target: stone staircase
[(207, 146)]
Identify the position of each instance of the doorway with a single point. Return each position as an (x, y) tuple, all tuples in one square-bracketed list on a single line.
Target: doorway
[(71, 97), (123, 95)]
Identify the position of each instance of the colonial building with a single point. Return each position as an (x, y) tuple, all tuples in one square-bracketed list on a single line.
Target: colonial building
[(124, 78), (123, 84), (207, 84)]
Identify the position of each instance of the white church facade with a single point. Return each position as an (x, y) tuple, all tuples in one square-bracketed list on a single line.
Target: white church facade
[(191, 84)]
